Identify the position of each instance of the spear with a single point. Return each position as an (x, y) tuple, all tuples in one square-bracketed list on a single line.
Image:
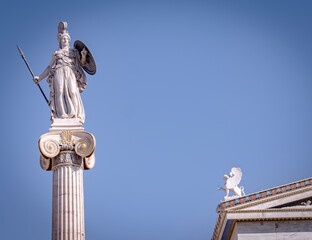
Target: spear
[(22, 55)]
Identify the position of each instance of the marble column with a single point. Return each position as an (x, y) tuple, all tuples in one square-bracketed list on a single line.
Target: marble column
[(67, 154)]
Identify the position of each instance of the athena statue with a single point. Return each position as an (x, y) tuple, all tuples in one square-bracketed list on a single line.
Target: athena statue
[(66, 78)]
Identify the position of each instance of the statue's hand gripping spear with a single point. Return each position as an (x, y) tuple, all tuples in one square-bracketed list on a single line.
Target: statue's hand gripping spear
[(22, 55)]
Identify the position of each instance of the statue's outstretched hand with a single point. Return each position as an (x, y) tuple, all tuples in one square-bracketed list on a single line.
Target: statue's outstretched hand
[(84, 52), (36, 79)]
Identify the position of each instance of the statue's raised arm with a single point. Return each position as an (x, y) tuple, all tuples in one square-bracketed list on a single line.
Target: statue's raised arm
[(67, 79)]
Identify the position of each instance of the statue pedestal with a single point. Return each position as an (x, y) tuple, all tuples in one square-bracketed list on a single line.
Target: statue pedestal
[(73, 124), (230, 198), (67, 154)]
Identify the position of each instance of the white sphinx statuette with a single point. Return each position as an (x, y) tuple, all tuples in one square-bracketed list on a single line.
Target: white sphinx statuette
[(231, 184)]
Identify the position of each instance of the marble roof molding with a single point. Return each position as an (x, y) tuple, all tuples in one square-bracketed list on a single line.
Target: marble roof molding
[(268, 194), (291, 201)]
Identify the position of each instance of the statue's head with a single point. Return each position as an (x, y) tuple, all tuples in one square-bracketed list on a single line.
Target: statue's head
[(62, 36), (225, 177)]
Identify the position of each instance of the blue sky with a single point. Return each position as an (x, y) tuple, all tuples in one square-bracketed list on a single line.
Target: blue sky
[(184, 91)]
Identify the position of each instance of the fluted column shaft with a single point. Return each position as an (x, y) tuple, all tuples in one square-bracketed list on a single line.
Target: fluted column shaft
[(67, 202), (67, 154)]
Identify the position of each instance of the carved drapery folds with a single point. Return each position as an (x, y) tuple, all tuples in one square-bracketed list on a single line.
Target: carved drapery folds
[(67, 148)]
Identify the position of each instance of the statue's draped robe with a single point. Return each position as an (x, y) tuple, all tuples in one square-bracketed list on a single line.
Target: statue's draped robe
[(65, 80)]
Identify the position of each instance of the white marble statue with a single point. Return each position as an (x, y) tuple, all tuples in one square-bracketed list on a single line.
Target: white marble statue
[(66, 79), (231, 184)]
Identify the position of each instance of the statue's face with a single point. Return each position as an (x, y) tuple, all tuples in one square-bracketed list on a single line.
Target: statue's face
[(225, 177), (64, 42)]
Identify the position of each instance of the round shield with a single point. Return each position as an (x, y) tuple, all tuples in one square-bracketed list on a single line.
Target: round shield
[(90, 66)]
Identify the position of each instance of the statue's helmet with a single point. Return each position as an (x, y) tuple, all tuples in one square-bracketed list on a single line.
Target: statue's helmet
[(62, 31)]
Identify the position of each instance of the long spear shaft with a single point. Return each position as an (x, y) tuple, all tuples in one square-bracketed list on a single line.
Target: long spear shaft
[(22, 55)]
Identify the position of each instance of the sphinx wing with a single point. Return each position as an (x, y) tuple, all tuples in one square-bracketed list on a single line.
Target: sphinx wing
[(235, 179)]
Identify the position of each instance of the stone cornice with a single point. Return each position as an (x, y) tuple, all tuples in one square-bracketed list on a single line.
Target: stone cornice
[(241, 205), (301, 209), (220, 223), (256, 198)]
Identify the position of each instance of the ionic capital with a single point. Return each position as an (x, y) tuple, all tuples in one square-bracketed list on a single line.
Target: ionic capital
[(67, 147)]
